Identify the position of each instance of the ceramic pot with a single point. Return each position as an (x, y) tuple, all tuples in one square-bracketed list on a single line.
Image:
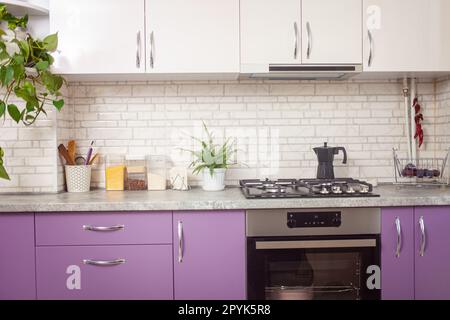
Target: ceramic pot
[(214, 182)]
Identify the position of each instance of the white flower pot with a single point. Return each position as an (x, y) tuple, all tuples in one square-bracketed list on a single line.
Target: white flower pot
[(216, 182)]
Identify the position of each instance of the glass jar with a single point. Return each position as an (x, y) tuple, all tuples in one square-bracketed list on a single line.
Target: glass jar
[(156, 173), (115, 173), (136, 173)]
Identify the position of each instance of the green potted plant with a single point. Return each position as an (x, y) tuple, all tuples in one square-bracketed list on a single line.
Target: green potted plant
[(213, 160), (25, 64)]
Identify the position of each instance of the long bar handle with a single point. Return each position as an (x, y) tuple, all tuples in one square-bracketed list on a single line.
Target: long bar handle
[(295, 40), (152, 54), (371, 49), (138, 50), (315, 244), (423, 238), (104, 263), (180, 242), (104, 229), (399, 237), (309, 49)]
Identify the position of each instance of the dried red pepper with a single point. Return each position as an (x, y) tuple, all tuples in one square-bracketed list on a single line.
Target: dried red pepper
[(418, 119)]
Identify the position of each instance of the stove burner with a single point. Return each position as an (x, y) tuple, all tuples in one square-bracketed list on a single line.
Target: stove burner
[(305, 188)]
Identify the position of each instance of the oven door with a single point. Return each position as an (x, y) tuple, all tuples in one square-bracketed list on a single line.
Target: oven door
[(311, 268)]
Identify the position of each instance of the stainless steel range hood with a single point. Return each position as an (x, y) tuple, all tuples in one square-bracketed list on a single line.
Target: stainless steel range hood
[(305, 72)]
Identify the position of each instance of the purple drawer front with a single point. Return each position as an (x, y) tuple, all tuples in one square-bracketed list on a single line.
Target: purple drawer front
[(69, 229), (146, 274)]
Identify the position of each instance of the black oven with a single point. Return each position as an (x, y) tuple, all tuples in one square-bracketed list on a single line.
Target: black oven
[(312, 254)]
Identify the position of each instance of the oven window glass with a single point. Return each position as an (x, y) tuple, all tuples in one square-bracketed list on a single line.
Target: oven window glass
[(309, 275)]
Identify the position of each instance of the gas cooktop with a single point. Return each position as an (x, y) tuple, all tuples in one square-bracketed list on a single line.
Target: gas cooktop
[(306, 188)]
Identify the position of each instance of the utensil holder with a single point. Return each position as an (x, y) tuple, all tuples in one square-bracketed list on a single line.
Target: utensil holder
[(78, 178)]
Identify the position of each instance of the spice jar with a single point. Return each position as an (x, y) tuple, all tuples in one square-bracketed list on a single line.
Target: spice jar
[(136, 173), (115, 172), (156, 173)]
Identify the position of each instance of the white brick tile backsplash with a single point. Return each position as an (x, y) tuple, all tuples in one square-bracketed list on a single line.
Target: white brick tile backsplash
[(276, 124)]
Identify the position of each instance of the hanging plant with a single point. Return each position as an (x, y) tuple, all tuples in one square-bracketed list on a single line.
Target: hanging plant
[(25, 73)]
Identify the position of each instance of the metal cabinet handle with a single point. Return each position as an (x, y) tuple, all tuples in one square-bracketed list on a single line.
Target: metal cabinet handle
[(138, 50), (423, 238), (399, 237), (152, 54), (104, 229), (102, 263), (309, 49), (180, 242), (370, 48), (295, 40)]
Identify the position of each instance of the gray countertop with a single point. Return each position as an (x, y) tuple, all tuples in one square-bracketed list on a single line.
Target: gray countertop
[(197, 199)]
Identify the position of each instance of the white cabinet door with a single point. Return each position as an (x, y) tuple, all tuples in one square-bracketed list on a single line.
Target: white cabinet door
[(192, 36), (406, 35), (331, 32), (270, 33), (99, 37)]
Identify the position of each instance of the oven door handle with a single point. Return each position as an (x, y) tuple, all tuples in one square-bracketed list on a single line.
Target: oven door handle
[(316, 244)]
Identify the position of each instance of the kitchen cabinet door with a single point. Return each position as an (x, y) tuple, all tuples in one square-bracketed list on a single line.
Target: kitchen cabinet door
[(406, 35), (209, 255), (113, 272), (331, 32), (17, 263), (397, 254), (432, 258), (99, 37), (270, 34), (195, 36)]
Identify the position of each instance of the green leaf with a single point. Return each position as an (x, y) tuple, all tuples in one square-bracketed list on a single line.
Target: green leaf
[(51, 42), (58, 104), (3, 174), (42, 65), (25, 49), (2, 110), (14, 112), (9, 75)]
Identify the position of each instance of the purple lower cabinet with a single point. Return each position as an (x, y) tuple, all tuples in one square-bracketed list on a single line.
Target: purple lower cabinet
[(209, 255), (17, 265), (112, 272), (432, 269), (397, 254)]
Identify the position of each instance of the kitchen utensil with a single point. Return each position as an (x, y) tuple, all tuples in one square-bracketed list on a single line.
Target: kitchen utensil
[(89, 154), (71, 149), (65, 154), (178, 178), (80, 160), (93, 159), (78, 178), (325, 156)]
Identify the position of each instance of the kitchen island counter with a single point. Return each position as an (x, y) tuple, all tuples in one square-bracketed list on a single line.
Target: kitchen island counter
[(197, 199)]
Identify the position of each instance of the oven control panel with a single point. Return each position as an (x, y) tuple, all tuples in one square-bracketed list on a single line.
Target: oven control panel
[(314, 220)]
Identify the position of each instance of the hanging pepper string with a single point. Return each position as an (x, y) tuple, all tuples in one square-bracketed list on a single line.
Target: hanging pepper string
[(418, 119)]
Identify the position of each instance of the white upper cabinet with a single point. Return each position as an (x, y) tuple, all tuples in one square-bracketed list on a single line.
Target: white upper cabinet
[(192, 36), (331, 32), (406, 35), (99, 36), (270, 33)]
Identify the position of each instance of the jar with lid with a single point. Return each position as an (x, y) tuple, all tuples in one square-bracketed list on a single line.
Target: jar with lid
[(136, 173), (156, 173), (115, 172)]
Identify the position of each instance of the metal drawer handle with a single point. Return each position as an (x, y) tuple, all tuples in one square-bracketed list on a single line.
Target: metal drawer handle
[(106, 263), (309, 49), (295, 40), (371, 48), (180, 242), (138, 50), (315, 244), (104, 229), (399, 237), (423, 238), (152, 54)]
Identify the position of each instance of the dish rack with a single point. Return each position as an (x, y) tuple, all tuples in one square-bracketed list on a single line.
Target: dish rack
[(424, 171)]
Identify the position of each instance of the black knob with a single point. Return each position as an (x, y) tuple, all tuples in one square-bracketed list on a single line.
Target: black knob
[(291, 223)]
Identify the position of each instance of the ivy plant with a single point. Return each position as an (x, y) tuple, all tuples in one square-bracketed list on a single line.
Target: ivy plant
[(25, 73)]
